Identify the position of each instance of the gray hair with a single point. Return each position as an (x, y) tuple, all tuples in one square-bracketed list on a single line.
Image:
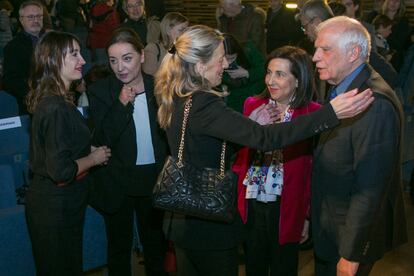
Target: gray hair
[(29, 3), (316, 8), (350, 33)]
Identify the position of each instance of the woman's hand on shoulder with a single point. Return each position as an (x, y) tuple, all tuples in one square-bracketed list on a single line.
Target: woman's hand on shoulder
[(351, 103)]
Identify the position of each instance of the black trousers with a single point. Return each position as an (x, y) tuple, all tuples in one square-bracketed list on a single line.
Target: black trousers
[(326, 268), (119, 230), (55, 219), (264, 255), (221, 262)]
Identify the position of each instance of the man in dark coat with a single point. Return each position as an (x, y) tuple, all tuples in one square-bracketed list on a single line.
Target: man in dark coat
[(281, 27), (357, 206), (18, 52), (245, 22)]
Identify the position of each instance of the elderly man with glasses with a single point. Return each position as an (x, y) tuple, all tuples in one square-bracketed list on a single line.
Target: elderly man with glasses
[(18, 52), (147, 27), (314, 12)]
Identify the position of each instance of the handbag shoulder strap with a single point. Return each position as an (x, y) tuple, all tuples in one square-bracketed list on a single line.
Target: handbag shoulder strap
[(187, 106), (180, 164)]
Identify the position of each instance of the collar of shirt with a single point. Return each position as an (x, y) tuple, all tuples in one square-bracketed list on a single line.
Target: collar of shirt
[(344, 84), (33, 38)]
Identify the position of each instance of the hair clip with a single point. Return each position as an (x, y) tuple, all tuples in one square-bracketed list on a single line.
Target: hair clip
[(172, 49)]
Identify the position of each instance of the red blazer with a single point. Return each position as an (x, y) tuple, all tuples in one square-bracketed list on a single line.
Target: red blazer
[(297, 166)]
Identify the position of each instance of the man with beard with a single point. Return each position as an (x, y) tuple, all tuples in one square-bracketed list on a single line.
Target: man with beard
[(18, 52)]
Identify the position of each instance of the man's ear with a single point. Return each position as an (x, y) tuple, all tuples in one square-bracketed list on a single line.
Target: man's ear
[(354, 53)]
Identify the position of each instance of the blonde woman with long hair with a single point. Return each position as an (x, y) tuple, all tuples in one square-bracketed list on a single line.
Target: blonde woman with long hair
[(172, 25)]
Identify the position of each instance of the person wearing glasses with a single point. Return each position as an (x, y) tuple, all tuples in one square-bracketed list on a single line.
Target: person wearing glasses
[(148, 28), (18, 52), (315, 12)]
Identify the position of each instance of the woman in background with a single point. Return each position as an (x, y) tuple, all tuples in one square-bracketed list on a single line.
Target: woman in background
[(274, 186), (191, 70), (172, 25), (60, 157), (400, 37), (244, 76), (104, 19)]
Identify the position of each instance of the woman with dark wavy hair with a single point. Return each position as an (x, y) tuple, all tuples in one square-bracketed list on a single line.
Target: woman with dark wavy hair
[(60, 157)]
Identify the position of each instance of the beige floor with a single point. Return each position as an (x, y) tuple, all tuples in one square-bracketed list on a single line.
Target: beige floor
[(399, 262)]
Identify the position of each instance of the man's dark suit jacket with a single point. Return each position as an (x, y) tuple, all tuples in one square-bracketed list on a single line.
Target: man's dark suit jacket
[(357, 207), (114, 127), (17, 62)]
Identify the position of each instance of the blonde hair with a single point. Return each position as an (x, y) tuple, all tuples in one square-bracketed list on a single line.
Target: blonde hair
[(401, 10), (177, 75), (170, 20)]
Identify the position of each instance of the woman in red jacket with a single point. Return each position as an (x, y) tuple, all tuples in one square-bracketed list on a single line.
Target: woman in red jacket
[(104, 19), (276, 184)]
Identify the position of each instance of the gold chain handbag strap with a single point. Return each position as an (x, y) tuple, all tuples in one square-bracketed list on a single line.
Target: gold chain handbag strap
[(180, 163)]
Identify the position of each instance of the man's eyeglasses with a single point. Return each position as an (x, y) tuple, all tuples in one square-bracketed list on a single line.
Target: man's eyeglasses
[(32, 17), (304, 26)]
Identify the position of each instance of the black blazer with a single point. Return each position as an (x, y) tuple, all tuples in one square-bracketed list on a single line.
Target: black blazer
[(114, 127), (17, 63), (209, 123), (357, 207)]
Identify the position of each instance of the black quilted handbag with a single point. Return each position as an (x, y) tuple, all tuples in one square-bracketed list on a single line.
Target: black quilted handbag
[(206, 193)]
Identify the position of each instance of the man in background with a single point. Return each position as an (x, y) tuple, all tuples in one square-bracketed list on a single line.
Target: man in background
[(18, 52), (281, 27), (245, 22)]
